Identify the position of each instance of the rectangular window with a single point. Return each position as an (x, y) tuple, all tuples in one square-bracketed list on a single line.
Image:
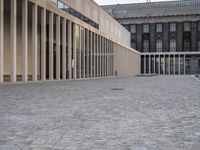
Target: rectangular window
[(187, 26), (133, 28), (173, 45), (172, 27), (61, 5), (145, 46), (159, 27), (159, 45), (199, 26), (145, 28)]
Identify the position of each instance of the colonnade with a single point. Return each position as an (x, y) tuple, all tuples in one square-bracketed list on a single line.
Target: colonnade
[(60, 48)]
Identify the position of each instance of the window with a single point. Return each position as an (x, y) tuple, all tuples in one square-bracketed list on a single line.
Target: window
[(133, 28), (133, 44), (159, 27), (199, 26), (173, 45), (198, 45), (145, 46), (172, 27), (186, 45), (186, 26), (61, 5), (145, 28), (159, 45)]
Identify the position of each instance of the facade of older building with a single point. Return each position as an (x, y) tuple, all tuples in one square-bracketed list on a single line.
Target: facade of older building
[(166, 33), (62, 39)]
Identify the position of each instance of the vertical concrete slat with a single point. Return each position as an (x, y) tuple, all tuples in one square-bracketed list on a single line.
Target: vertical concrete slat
[(159, 65), (144, 64), (97, 56), (69, 41), (58, 47), (43, 44), (34, 42), (64, 48), (51, 43), (83, 53), (80, 52), (149, 64), (88, 54), (13, 44), (74, 51), (100, 60), (169, 65), (91, 49), (154, 64), (174, 64), (179, 64), (164, 64), (184, 64), (1, 40)]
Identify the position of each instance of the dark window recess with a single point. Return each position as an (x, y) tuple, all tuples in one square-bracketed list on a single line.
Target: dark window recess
[(74, 13)]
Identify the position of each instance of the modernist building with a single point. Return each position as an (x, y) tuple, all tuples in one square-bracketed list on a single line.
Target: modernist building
[(62, 39), (166, 33)]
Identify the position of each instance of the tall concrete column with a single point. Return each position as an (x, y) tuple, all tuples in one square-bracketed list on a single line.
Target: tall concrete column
[(144, 64), (51, 43), (100, 57), (184, 64), (179, 64), (83, 53), (149, 64), (164, 65), (64, 49), (108, 58), (174, 64), (1, 40), (74, 52), (13, 45), (43, 44), (80, 51), (91, 49), (154, 64), (34, 39), (159, 65), (69, 41), (88, 54), (97, 56), (58, 47), (94, 56), (169, 65), (105, 58)]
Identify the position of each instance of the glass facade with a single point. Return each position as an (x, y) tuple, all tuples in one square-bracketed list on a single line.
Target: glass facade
[(172, 46), (172, 27), (159, 46), (159, 27), (133, 28), (145, 28), (186, 26)]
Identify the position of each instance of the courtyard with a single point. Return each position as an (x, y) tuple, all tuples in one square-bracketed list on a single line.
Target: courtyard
[(134, 113)]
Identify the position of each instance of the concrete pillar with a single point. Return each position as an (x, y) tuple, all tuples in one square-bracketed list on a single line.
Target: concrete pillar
[(1, 40), (149, 64), (174, 64), (13, 45), (58, 47), (74, 52), (100, 56), (43, 44), (97, 56), (154, 64), (91, 49), (88, 54), (169, 65), (144, 64), (51, 40), (179, 64), (34, 43), (159, 65), (94, 55), (184, 64), (164, 64), (69, 41), (105, 58), (64, 49), (83, 53), (80, 51)]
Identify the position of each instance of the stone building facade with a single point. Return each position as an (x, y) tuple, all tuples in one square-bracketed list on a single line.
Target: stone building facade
[(161, 28)]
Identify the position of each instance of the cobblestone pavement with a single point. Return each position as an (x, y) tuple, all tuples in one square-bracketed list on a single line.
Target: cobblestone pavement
[(151, 113)]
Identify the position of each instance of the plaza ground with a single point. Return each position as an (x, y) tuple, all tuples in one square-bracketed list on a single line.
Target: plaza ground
[(135, 113)]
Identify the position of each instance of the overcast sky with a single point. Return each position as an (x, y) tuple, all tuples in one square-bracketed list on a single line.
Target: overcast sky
[(108, 2)]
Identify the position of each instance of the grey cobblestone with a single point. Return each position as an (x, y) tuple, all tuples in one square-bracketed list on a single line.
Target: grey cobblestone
[(151, 113)]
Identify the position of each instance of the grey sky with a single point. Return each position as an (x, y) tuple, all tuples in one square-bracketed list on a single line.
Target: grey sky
[(108, 2)]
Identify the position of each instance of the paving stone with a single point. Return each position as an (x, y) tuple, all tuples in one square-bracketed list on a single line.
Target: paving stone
[(150, 113)]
